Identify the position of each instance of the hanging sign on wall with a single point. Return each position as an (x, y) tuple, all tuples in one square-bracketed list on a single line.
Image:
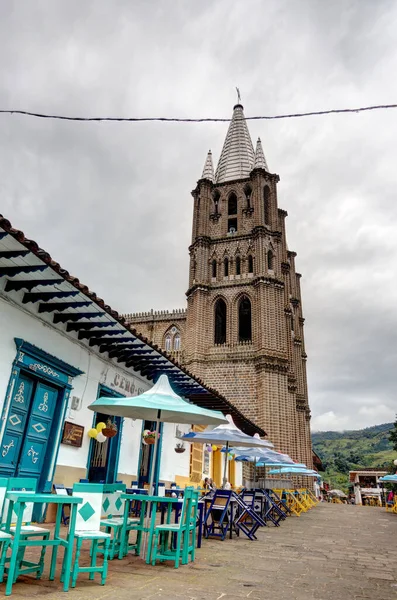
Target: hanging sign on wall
[(72, 435)]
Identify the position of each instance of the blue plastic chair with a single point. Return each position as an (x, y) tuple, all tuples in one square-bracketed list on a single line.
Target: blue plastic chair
[(218, 517)]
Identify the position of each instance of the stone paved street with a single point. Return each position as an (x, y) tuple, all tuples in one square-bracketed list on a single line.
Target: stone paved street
[(333, 552)]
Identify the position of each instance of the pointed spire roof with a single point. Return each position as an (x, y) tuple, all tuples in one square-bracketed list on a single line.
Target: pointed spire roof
[(208, 171), (260, 160), (237, 156)]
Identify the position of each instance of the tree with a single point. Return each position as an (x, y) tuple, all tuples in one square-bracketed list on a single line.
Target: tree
[(393, 435)]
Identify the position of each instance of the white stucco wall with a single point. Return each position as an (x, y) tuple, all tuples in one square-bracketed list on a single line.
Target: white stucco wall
[(16, 322), (172, 463)]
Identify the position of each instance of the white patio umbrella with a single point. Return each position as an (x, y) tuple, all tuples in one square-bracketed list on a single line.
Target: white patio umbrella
[(338, 493), (162, 405), (293, 470), (227, 434), (262, 457)]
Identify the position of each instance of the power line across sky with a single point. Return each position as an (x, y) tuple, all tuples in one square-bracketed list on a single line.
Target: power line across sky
[(197, 120)]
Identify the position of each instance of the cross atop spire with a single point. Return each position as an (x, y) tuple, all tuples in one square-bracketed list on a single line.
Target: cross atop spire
[(260, 160), (237, 156), (208, 171)]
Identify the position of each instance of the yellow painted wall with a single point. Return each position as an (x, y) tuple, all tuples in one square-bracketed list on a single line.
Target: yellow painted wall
[(217, 467)]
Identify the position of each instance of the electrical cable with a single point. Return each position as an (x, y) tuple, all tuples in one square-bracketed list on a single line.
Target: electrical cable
[(202, 120)]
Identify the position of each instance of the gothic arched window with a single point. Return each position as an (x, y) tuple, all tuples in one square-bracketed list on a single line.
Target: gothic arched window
[(168, 343), (266, 204), (226, 267), (232, 213), (238, 265), (220, 322), (232, 205), (250, 264), (213, 268), (244, 320), (177, 342), (216, 201), (270, 260), (248, 194)]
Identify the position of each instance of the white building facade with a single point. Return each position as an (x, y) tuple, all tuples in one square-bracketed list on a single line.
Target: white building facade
[(61, 347)]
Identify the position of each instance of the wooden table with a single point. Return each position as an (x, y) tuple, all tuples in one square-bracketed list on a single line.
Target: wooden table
[(17, 502), (145, 500)]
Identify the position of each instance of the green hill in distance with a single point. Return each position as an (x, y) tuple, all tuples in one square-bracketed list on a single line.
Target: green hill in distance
[(345, 451)]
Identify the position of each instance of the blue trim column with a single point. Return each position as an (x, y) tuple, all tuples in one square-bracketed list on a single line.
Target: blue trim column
[(159, 450), (106, 391)]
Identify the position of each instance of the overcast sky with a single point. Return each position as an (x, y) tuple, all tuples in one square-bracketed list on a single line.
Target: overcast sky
[(112, 203)]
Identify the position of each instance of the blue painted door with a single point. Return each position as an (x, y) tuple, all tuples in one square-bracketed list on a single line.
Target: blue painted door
[(18, 416), (28, 428), (37, 431)]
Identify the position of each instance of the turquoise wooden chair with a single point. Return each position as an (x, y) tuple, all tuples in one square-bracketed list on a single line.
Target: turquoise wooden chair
[(112, 515), (176, 541), (135, 523), (87, 528), (28, 531), (5, 538)]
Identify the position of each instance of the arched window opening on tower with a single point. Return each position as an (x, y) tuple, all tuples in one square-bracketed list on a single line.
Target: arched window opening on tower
[(168, 343), (244, 320), (220, 322), (270, 260), (194, 267), (213, 268), (266, 204), (250, 264), (232, 205), (232, 213), (238, 265), (248, 194), (216, 202), (177, 342), (226, 267)]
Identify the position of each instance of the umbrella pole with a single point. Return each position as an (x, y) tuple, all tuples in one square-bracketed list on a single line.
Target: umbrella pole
[(151, 484), (155, 451), (225, 466)]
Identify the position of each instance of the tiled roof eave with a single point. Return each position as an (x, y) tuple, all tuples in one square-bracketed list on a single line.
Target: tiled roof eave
[(188, 386)]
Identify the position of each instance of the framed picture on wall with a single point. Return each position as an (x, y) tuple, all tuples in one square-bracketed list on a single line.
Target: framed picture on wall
[(72, 435)]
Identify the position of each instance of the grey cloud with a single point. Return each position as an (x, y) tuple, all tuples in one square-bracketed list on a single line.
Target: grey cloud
[(111, 202)]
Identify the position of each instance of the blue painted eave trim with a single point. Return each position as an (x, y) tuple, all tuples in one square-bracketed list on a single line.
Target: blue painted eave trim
[(51, 360)]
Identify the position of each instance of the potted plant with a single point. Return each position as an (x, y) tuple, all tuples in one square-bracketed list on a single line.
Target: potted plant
[(179, 448), (110, 430), (149, 437)]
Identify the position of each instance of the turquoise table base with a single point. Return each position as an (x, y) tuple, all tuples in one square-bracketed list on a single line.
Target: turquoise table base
[(17, 502), (145, 527)]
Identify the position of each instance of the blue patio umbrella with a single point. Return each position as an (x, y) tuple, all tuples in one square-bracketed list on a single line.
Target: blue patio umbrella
[(159, 404), (261, 456), (229, 435), (294, 471), (390, 478)]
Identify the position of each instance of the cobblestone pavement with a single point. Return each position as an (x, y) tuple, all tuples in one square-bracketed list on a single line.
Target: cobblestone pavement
[(336, 552)]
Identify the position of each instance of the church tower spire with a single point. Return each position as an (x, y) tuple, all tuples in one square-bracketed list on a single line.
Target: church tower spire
[(244, 320), (208, 171), (260, 160), (237, 156)]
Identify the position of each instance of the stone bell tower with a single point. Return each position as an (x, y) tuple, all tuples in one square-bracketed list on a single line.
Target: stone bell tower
[(244, 321)]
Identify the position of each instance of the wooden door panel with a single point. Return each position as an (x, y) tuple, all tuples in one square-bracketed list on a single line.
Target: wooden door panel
[(38, 430), (16, 424)]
